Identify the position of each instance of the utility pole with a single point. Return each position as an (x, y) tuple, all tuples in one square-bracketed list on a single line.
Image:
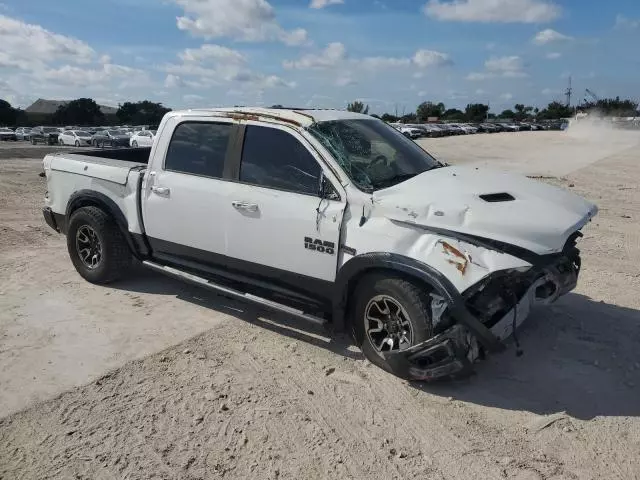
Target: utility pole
[(568, 93)]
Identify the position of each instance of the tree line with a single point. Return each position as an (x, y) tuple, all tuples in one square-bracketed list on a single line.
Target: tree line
[(478, 112), (86, 112)]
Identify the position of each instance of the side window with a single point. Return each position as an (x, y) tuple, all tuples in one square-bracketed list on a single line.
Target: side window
[(198, 148), (276, 159)]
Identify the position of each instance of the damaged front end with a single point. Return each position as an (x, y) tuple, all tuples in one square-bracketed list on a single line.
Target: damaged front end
[(478, 321)]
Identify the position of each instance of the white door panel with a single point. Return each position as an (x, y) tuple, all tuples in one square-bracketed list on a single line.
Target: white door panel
[(268, 227), (187, 210)]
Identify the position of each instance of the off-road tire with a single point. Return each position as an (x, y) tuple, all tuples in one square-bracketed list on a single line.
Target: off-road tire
[(413, 297), (116, 257)]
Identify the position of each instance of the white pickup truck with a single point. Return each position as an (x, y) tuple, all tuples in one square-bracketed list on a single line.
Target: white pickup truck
[(329, 216)]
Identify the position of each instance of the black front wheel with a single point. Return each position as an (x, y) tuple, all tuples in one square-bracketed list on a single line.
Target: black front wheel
[(97, 247), (390, 315)]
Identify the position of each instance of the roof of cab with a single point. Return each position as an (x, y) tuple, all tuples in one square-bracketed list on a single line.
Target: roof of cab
[(301, 117)]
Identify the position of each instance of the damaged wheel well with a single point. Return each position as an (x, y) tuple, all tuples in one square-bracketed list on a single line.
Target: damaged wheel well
[(386, 272), (414, 271)]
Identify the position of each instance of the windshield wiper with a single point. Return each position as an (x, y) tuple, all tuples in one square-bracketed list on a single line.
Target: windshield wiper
[(394, 180)]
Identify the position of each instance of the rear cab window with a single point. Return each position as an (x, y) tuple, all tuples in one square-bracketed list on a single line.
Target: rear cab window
[(274, 158), (199, 148)]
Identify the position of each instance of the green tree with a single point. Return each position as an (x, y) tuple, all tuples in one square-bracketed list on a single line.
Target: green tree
[(83, 111), (554, 111), (429, 109), (522, 112), (358, 107), (476, 112), (509, 114), (387, 117), (613, 107), (8, 114), (453, 114), (409, 118), (141, 113)]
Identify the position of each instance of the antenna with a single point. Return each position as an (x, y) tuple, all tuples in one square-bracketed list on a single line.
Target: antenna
[(568, 93)]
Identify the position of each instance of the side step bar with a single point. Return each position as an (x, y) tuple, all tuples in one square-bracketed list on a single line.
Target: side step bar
[(230, 292)]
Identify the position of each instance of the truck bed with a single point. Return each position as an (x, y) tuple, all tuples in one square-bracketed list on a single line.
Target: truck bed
[(113, 165), (136, 155)]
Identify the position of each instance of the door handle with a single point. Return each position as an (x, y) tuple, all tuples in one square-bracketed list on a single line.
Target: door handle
[(246, 206), (162, 191)]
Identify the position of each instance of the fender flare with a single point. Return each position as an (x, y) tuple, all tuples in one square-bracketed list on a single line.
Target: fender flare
[(420, 271), (86, 198)]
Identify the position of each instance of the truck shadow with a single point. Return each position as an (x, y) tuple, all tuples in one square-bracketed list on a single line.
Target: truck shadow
[(144, 280), (580, 355)]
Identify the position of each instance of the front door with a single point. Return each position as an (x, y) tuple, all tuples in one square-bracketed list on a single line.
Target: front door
[(278, 224)]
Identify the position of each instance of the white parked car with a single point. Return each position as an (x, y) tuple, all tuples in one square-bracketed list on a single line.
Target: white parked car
[(79, 138), (143, 138), (329, 216), (411, 132)]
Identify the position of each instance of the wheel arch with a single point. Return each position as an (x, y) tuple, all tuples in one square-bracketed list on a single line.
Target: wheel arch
[(90, 198), (411, 269)]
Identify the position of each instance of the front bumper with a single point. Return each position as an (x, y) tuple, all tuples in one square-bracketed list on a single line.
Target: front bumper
[(454, 351)]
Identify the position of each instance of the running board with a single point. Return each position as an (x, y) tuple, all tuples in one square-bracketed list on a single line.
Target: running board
[(230, 292)]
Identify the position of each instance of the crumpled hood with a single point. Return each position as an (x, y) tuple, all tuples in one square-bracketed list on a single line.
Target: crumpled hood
[(540, 217)]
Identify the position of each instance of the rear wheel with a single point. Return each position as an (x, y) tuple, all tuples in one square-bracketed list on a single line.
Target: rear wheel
[(77, 143), (97, 247), (390, 315)]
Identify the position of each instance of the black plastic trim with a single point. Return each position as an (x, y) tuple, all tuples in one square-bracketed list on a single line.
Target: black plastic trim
[(52, 218), (421, 271), (86, 198), (282, 281)]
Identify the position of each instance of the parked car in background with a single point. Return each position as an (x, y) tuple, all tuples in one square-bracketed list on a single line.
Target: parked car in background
[(48, 135), (456, 129), (411, 132), (428, 130), (7, 134), (488, 128), (22, 133), (468, 128), (143, 138), (113, 138), (511, 127), (75, 137)]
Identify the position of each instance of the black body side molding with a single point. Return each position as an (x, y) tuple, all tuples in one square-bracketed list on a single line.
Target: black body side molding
[(86, 198)]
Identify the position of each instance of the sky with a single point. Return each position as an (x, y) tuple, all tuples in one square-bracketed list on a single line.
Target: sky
[(389, 54)]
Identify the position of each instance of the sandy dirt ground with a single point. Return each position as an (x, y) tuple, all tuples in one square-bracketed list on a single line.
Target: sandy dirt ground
[(150, 378)]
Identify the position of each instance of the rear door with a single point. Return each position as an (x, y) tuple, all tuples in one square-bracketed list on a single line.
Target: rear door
[(185, 195), (279, 226)]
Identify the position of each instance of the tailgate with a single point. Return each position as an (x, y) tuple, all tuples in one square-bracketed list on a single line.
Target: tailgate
[(116, 171)]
